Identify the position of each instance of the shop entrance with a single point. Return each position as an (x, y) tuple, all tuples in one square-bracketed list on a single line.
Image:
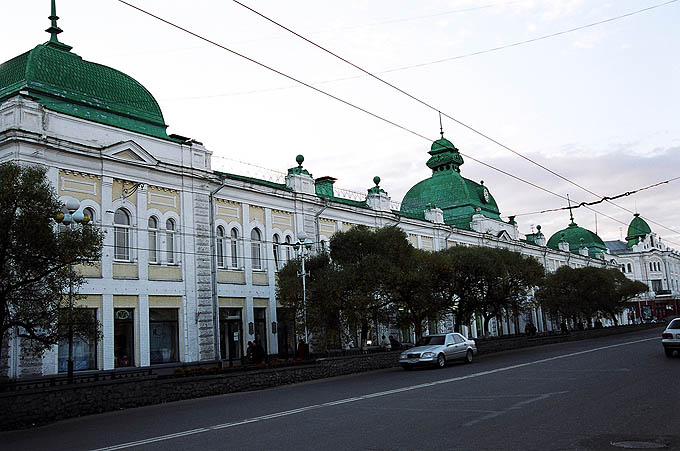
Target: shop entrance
[(261, 327), (231, 334), (123, 337)]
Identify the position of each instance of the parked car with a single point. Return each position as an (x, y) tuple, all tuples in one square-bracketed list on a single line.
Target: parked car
[(670, 338), (438, 350)]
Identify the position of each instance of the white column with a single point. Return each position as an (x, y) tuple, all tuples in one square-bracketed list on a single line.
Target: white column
[(107, 330), (143, 323), (142, 234)]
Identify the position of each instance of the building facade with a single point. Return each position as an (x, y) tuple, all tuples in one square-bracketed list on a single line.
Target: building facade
[(190, 255)]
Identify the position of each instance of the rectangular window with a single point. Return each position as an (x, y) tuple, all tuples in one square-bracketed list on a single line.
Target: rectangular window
[(153, 246), (84, 347), (122, 243), (256, 255), (171, 247), (163, 335)]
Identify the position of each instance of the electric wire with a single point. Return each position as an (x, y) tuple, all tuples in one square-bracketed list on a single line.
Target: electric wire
[(474, 130), (349, 103)]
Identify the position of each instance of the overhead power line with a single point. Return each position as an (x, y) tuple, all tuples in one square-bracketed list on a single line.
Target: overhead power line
[(196, 35), (474, 130)]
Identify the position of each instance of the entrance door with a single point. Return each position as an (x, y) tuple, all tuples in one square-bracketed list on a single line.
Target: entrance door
[(123, 337), (231, 334), (261, 327)]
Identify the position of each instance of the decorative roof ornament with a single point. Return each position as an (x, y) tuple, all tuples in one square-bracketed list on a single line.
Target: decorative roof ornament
[(376, 189), (299, 170), (441, 127), (54, 30), (571, 214)]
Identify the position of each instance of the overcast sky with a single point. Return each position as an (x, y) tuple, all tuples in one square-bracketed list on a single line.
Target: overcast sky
[(598, 105)]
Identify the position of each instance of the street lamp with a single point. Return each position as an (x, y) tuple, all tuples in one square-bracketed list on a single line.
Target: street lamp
[(304, 245), (74, 216)]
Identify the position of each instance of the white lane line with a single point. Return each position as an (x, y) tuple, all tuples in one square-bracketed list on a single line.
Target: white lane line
[(359, 398), (515, 406)]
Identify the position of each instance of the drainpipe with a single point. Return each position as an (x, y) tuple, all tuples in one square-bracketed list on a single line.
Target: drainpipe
[(446, 240), (213, 275)]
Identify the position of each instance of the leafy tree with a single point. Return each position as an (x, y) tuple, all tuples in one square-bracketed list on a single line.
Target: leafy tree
[(491, 281), (35, 258)]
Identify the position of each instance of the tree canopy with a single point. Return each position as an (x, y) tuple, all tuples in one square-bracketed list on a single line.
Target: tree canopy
[(35, 256)]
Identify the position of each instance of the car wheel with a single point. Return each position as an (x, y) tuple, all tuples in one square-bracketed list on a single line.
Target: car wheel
[(669, 352), (468, 356), (441, 361)]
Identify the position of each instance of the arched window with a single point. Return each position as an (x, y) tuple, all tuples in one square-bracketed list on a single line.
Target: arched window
[(153, 239), (256, 249), (234, 248), (170, 240), (289, 248), (630, 268), (220, 247), (276, 247), (121, 235), (651, 266), (89, 212)]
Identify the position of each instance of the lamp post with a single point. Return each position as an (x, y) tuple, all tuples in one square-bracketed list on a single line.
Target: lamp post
[(304, 245), (68, 219)]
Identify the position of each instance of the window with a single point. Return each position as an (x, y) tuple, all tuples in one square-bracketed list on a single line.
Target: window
[(234, 248), (84, 342), (89, 212), (153, 239), (256, 249), (276, 247), (121, 235), (163, 335), (220, 247), (170, 241), (630, 268), (289, 248)]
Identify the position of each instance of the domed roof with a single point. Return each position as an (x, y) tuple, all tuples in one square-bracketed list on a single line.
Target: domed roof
[(458, 197), (577, 237), (637, 229), (62, 81)]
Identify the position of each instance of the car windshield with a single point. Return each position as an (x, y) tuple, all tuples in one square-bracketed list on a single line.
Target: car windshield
[(675, 324), (431, 340)]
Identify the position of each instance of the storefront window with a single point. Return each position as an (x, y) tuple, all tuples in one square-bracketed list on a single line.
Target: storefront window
[(163, 335), (123, 337), (84, 348)]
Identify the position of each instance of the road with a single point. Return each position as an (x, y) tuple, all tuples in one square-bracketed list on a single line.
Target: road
[(571, 396)]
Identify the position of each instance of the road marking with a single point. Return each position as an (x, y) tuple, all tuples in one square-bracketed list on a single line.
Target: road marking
[(360, 398), (515, 406)]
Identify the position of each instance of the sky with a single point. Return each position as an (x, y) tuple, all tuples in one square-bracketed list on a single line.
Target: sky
[(599, 105)]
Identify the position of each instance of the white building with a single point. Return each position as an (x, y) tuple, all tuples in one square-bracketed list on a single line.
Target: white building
[(190, 254)]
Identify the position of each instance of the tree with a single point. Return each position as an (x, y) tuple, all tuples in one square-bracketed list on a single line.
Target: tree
[(35, 258), (491, 281)]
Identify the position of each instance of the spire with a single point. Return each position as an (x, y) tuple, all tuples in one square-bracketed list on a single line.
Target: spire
[(441, 127), (54, 30), (571, 214)]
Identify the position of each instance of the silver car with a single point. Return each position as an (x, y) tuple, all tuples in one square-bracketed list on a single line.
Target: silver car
[(439, 349), (670, 339)]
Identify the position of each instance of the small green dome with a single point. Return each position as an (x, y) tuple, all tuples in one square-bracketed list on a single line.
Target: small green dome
[(62, 81), (458, 197), (578, 237), (637, 230)]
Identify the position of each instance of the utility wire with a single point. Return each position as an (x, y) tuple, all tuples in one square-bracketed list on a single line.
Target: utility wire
[(474, 130), (346, 102)]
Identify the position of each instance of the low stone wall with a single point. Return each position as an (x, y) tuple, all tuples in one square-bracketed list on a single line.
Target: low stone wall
[(30, 408)]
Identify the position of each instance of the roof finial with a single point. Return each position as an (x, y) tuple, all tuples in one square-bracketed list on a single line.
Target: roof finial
[(571, 214), (441, 127), (54, 30)]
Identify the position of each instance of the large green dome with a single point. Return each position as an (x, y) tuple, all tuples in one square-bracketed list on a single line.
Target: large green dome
[(637, 230), (458, 197), (577, 237), (62, 81)]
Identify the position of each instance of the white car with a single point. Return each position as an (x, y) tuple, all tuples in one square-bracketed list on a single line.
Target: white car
[(670, 339), (438, 350)]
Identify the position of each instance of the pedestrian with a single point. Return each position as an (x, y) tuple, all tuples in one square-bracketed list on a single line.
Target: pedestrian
[(395, 345), (385, 344), (301, 350), (258, 352)]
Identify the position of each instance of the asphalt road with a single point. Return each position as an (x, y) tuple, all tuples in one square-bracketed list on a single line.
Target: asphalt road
[(581, 395)]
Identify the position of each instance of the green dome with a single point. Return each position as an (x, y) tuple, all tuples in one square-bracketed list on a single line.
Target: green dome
[(62, 81), (458, 197), (577, 237), (637, 230)]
